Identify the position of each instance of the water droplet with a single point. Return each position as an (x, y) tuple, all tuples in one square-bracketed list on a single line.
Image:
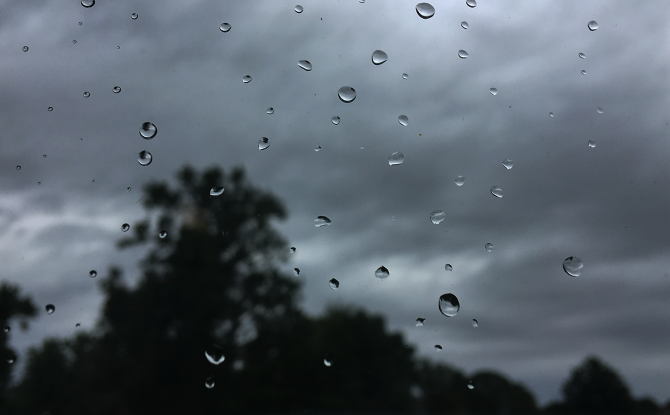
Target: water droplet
[(581, 55), (493, 91), (134, 16), (317, 148), (475, 323), (496, 191), (148, 130), (246, 79), (263, 143), (77, 325), (379, 57), (10, 360), (449, 305), (296, 271), (88, 3), (87, 94), (489, 247), (125, 227), (448, 267), (74, 41), (600, 110), (26, 48), (144, 158), (437, 216), (270, 111), (328, 361), (346, 94), (470, 385), (335, 120), (405, 76), (44, 156), (425, 10), (438, 348), (592, 144), (225, 27), (298, 9), (321, 221), (18, 167), (419, 322), (396, 158), (80, 23), (464, 24), (116, 89), (93, 273), (573, 266), (128, 189), (162, 234), (292, 250), (462, 54), (306, 65), (209, 382), (459, 180), (583, 72), (593, 25), (382, 273), (50, 308), (403, 120), (50, 108), (216, 191), (508, 164), (118, 47), (334, 284), (551, 114), (6, 329), (471, 3), (215, 356)]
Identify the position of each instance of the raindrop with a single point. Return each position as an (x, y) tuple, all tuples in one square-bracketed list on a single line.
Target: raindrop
[(600, 110), (270, 111), (215, 357), (134, 16), (403, 120), (50, 108), (496, 191), (449, 305), (573, 266), (475, 323), (328, 361), (334, 284), (471, 3), (216, 191), (246, 79), (508, 164), (583, 72), (225, 27), (125, 227), (77, 325), (493, 91), (581, 55), (396, 158), (489, 247), (74, 41), (551, 114), (292, 250), (144, 158), (93, 273), (425, 10), (321, 221), (459, 180), (263, 143), (88, 3), (593, 25), (382, 273), (346, 94), (298, 9), (405, 76), (162, 234), (306, 65), (116, 89), (128, 189), (592, 144), (438, 348), (296, 271), (209, 382), (6, 329), (317, 148), (50, 308), (10, 360), (18, 167), (335, 120), (148, 130), (462, 54), (44, 156), (437, 216), (464, 24), (26, 48), (379, 57), (419, 322), (470, 385), (448, 267), (87, 94), (80, 23)]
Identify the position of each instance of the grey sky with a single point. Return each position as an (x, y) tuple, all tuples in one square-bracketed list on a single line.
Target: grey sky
[(607, 205)]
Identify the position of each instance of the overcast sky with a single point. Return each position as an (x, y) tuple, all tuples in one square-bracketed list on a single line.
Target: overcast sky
[(606, 205)]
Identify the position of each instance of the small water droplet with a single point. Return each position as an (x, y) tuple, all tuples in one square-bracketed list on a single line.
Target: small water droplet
[(18, 167), (334, 284), (50, 308), (437, 216), (593, 25), (496, 191), (425, 10), (88, 3), (306, 65), (93, 273), (298, 9), (396, 158), (6, 329), (489, 247), (403, 120), (448, 267), (128, 189), (296, 271), (346, 94), (10, 360), (449, 305), (80, 23), (328, 362), (216, 191), (471, 3), (215, 356), (116, 89), (292, 250), (379, 57), (263, 143), (74, 41), (246, 79), (225, 27), (87, 94), (77, 325), (317, 148), (125, 227), (209, 382), (25, 48), (118, 47), (470, 385), (462, 54), (459, 180), (592, 144), (50, 108), (438, 348), (551, 114), (134, 16), (162, 234), (405, 76), (419, 322), (148, 130), (600, 110), (508, 164), (382, 273), (335, 120), (583, 72), (39, 183), (573, 266), (581, 55), (270, 111), (321, 221), (475, 323), (464, 24), (145, 158)]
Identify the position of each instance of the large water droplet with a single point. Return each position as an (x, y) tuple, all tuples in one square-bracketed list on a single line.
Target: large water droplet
[(583, 72), (93, 273), (470, 385), (50, 108), (496, 191), (116, 89), (573, 266), (438, 348), (334, 284), (488, 246), (6, 329), (292, 250), (215, 355), (134, 16), (148, 130), (25, 48), (493, 91), (321, 221), (592, 144), (459, 180), (225, 27), (471, 3), (263, 143), (462, 54), (593, 25), (298, 9), (209, 382), (437, 216), (88, 3), (403, 120), (296, 271), (162, 234), (419, 322), (464, 24), (379, 57), (581, 55), (50, 308), (449, 305), (508, 163), (246, 79), (87, 94), (475, 323), (306, 65), (396, 158), (18, 167), (216, 191), (551, 114), (405, 76), (346, 94), (382, 273), (128, 189), (317, 148), (144, 158), (125, 227), (425, 10), (448, 267), (328, 361), (335, 120), (270, 111), (600, 110), (10, 360)]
